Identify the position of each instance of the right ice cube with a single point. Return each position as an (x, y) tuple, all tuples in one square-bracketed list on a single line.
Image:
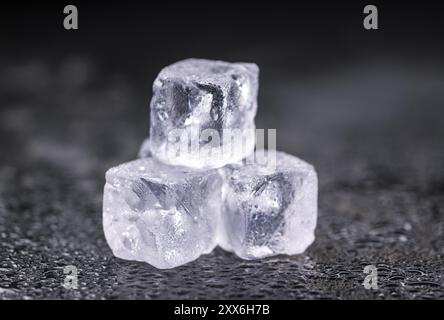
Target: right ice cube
[(269, 209)]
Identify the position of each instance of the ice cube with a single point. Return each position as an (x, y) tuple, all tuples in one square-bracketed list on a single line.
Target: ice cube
[(145, 149), (166, 216), (269, 209), (202, 113)]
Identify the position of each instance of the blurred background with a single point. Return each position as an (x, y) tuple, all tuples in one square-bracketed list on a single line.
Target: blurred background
[(366, 107)]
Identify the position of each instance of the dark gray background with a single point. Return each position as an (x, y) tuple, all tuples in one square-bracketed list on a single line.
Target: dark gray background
[(365, 107)]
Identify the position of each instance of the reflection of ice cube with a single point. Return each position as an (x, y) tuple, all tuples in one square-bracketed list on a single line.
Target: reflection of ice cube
[(166, 216), (195, 96), (269, 210)]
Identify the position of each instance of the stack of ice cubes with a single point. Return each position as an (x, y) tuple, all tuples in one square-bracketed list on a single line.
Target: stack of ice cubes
[(196, 183)]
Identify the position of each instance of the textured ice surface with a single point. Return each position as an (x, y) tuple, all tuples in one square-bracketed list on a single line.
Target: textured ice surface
[(145, 149), (214, 104), (269, 210), (166, 216)]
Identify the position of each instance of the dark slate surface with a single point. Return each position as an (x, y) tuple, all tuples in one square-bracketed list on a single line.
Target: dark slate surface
[(379, 158)]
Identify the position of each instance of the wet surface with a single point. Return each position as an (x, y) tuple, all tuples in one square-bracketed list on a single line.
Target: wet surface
[(381, 172)]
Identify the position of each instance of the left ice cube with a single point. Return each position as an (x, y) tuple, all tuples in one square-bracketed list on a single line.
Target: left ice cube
[(163, 215)]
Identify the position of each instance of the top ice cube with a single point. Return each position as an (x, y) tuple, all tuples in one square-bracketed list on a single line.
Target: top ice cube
[(202, 113)]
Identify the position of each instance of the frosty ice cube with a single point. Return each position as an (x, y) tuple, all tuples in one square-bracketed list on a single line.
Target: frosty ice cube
[(269, 210), (145, 149), (202, 113), (165, 216)]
